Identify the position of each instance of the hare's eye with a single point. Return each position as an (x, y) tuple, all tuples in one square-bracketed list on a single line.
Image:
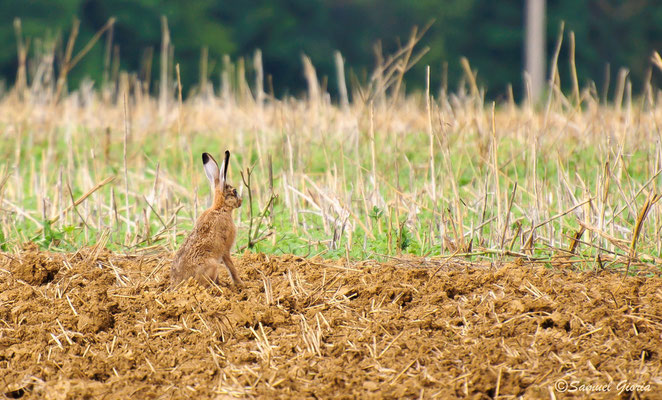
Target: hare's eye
[(234, 192)]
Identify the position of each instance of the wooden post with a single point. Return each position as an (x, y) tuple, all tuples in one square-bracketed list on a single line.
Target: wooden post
[(535, 46)]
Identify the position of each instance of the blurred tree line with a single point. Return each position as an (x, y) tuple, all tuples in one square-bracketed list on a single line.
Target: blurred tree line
[(489, 33)]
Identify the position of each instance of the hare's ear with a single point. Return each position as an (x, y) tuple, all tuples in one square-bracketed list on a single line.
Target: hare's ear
[(211, 169), (226, 163)]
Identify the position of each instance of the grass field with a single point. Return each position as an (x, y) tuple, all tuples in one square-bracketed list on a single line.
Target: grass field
[(374, 179), (450, 215)]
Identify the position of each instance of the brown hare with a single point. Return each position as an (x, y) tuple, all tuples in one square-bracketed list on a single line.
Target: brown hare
[(213, 235)]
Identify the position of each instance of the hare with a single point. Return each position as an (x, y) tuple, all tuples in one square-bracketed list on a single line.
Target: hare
[(213, 235)]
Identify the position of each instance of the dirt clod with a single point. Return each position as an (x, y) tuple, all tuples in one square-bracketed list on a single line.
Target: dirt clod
[(35, 268)]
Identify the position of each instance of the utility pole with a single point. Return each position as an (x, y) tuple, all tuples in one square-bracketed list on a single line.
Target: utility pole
[(535, 46)]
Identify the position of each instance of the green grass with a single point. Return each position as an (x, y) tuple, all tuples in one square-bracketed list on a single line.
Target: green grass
[(390, 233)]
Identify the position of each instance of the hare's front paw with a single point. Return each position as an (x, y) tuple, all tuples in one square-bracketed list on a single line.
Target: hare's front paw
[(239, 284)]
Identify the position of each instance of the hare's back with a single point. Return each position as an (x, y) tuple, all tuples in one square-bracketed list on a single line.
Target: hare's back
[(211, 231), (196, 242)]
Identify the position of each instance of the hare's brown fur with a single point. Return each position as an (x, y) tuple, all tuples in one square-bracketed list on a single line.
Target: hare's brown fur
[(210, 242)]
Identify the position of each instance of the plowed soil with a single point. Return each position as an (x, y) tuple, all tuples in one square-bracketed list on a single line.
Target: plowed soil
[(99, 325)]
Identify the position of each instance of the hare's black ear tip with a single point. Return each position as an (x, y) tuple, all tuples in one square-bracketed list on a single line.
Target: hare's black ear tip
[(205, 158), (227, 153)]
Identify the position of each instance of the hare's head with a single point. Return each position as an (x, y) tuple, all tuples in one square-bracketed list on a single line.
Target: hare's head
[(225, 195), (231, 197)]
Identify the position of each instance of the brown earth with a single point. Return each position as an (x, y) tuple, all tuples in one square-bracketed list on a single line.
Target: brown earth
[(99, 325)]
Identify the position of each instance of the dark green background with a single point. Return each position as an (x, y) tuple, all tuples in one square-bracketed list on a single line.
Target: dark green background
[(488, 32)]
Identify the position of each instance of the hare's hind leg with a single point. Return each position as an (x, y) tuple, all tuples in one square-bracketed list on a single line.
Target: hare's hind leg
[(227, 260), (208, 271), (179, 272)]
